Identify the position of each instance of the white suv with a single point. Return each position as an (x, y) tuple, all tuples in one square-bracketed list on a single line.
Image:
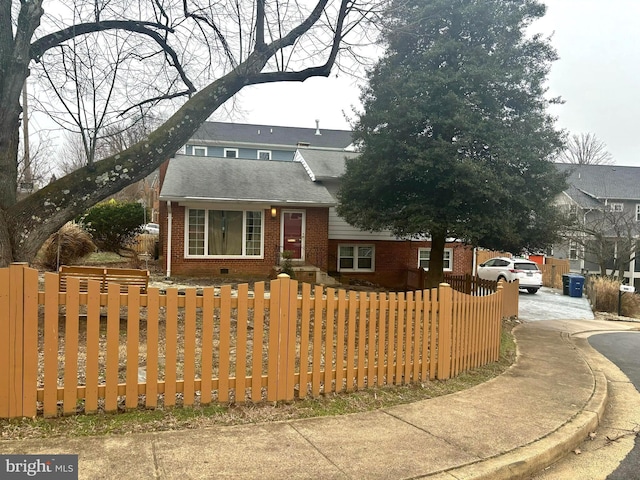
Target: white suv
[(510, 269)]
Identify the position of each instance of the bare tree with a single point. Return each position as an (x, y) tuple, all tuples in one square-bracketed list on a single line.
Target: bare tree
[(607, 238), (586, 149), (199, 54)]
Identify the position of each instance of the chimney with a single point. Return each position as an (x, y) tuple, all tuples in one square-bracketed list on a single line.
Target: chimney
[(318, 127)]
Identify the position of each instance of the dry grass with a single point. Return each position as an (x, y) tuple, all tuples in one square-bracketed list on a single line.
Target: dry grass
[(604, 293), (65, 247)]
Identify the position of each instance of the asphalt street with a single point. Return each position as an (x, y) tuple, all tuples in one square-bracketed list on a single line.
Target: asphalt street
[(622, 349)]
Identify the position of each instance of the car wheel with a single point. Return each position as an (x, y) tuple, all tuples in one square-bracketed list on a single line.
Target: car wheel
[(502, 278), (532, 290)]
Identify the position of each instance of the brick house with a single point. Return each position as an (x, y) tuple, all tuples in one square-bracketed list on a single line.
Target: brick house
[(231, 207)]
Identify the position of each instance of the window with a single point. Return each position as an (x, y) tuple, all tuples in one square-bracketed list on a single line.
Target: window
[(573, 250), (200, 151), (231, 153), (616, 207), (264, 154), (356, 258), (637, 212), (573, 210), (424, 255), (224, 233)]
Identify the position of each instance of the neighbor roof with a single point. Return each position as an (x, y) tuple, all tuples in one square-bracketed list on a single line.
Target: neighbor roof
[(191, 178), (604, 181), (322, 164), (244, 133)]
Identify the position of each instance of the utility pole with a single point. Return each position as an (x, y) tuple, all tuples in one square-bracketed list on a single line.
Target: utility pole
[(27, 179)]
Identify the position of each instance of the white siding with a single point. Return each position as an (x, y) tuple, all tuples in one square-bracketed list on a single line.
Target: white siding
[(341, 230)]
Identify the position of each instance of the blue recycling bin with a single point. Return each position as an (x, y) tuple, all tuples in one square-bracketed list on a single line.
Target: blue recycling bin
[(576, 284)]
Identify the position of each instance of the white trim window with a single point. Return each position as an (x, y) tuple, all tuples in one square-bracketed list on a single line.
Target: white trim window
[(231, 153), (264, 154), (637, 212), (224, 233), (424, 256), (199, 151), (573, 250), (616, 207), (356, 258)]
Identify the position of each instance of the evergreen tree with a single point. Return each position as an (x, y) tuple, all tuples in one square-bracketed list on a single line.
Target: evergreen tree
[(455, 139)]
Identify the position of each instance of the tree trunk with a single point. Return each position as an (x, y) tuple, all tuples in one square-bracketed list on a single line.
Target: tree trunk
[(435, 275)]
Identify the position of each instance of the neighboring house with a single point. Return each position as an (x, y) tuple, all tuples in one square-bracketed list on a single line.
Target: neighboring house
[(605, 200), (235, 214)]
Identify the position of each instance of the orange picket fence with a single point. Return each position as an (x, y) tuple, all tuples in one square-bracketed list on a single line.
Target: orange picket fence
[(77, 351)]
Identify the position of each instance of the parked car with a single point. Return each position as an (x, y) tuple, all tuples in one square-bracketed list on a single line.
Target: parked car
[(510, 269), (151, 228)]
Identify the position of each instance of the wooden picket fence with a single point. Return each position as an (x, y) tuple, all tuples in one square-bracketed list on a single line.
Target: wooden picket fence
[(63, 353), (552, 272)]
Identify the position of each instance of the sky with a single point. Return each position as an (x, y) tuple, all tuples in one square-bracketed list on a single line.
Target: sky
[(597, 75)]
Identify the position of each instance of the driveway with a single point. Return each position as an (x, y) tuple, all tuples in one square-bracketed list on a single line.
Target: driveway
[(551, 304)]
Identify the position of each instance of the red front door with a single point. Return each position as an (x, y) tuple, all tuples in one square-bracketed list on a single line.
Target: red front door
[(292, 233)]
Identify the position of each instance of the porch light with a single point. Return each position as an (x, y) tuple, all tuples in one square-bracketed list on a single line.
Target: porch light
[(273, 212)]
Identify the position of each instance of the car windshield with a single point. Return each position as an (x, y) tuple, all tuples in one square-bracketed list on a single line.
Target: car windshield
[(525, 266)]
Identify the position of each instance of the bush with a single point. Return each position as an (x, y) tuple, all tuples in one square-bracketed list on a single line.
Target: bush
[(114, 225), (66, 247), (605, 292)]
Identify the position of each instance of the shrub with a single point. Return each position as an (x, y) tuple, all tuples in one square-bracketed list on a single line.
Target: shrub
[(66, 247), (113, 225), (605, 292)]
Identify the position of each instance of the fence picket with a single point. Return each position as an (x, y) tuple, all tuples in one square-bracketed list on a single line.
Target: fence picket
[(171, 348), (224, 359), (330, 342), (340, 341), (400, 327), (317, 341), (71, 327), (241, 343), (258, 339), (351, 341), (305, 312), (382, 338), (151, 373), (189, 347), (113, 345), (30, 337)]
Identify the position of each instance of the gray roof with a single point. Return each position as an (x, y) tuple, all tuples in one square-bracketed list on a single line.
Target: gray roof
[(191, 178), (243, 133), (324, 164), (604, 181)]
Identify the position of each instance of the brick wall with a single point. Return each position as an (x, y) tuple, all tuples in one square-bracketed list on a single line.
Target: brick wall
[(316, 244), (394, 258)]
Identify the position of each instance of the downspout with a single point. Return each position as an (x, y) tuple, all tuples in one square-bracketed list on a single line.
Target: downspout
[(169, 235), (474, 262)]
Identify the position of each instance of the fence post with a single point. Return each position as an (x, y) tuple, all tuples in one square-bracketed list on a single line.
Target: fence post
[(18, 341), (282, 337), (445, 312)]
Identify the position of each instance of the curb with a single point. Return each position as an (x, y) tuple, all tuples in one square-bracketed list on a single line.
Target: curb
[(527, 460)]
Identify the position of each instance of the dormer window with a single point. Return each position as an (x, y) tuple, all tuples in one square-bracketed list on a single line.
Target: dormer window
[(200, 151), (231, 153), (264, 154)]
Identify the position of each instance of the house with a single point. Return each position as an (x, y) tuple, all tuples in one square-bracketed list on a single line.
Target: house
[(235, 207), (604, 200)]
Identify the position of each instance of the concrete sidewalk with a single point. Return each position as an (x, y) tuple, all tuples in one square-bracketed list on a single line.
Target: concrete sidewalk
[(509, 427)]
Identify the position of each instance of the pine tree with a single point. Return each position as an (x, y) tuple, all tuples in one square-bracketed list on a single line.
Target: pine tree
[(454, 134)]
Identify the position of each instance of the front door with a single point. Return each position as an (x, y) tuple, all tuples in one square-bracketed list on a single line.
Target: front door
[(293, 233)]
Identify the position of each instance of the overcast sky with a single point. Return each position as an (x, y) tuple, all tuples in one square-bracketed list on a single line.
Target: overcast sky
[(597, 75)]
